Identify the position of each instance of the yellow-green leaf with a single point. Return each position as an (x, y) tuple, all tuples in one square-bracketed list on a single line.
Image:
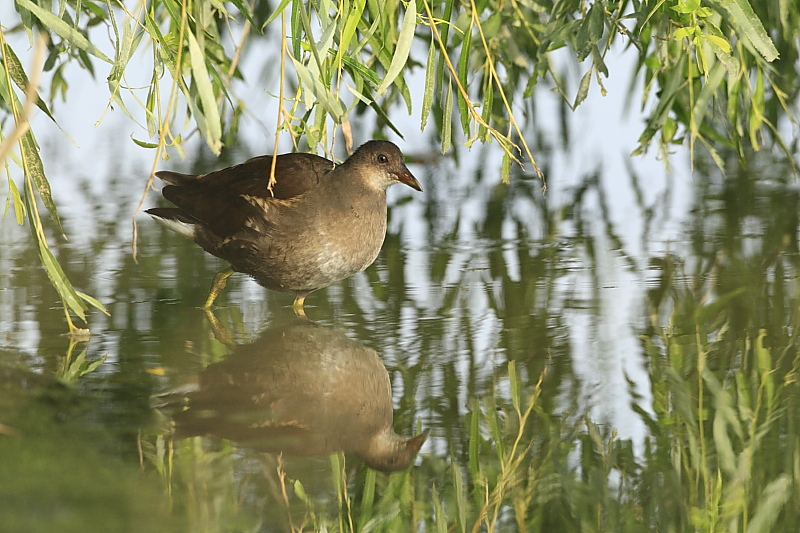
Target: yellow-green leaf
[(94, 302), (427, 95), (64, 30), (17, 73), (402, 49), (35, 169), (748, 25), (447, 119), (19, 206), (212, 126), (350, 26), (322, 93), (59, 280)]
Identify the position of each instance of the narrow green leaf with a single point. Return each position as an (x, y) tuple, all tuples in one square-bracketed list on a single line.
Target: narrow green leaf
[(402, 49), (680, 33), (19, 205), (64, 30), (741, 16), (94, 302), (164, 52), (212, 126), (714, 79), (721, 48), (359, 69), (486, 112), (430, 78), (597, 18), (447, 119), (505, 168), (366, 37), (463, 72), (297, 27), (126, 46), (321, 93), (757, 110), (719, 41), (59, 280), (17, 73), (590, 31), (444, 34), (245, 10), (383, 116), (277, 12), (349, 30), (583, 89), (35, 168)]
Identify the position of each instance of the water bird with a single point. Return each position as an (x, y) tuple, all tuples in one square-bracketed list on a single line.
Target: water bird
[(321, 222)]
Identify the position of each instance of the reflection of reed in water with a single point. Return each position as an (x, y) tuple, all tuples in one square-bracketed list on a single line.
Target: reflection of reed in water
[(301, 389)]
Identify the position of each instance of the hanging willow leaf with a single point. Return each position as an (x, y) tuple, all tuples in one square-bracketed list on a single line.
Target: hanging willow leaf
[(505, 168), (463, 72), (244, 10), (212, 126), (277, 12), (64, 30), (486, 112), (742, 16), (447, 119), (583, 89), (94, 302), (358, 69), (382, 114), (35, 169), (19, 205), (60, 282), (349, 30), (126, 46), (17, 74), (322, 93), (403, 48), (427, 95)]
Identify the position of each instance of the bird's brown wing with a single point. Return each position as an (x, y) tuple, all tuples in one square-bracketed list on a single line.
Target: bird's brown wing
[(223, 200)]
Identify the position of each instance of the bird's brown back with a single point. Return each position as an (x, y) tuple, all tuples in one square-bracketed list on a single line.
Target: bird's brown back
[(216, 199)]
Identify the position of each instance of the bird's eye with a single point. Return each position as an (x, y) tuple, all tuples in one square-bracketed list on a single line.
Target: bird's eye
[(382, 159)]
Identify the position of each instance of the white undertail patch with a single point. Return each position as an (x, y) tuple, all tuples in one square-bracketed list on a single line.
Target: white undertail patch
[(181, 228)]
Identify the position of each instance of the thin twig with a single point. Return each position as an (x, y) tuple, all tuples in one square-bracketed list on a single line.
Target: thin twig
[(281, 117)]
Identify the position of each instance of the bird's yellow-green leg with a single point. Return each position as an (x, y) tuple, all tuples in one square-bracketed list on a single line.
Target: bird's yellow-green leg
[(220, 279), (297, 306)]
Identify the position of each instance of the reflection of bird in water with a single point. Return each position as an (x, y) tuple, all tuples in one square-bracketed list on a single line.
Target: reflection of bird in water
[(301, 389)]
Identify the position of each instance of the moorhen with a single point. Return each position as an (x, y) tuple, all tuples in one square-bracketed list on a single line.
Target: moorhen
[(320, 224)]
